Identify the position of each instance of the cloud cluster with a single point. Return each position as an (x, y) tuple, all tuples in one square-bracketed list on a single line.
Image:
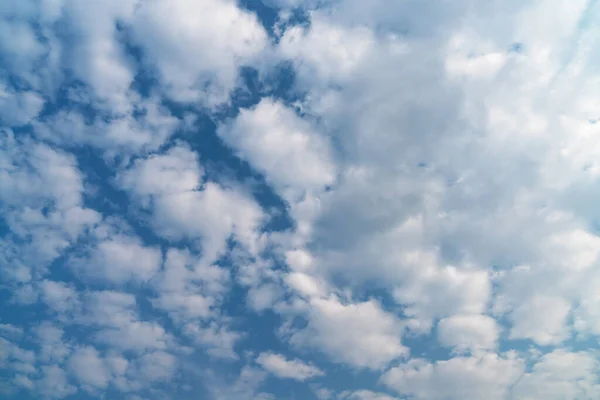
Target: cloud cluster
[(338, 200)]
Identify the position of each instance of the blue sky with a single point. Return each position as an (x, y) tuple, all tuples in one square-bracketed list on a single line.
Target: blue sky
[(298, 199)]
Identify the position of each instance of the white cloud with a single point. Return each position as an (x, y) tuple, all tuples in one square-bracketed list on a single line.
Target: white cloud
[(188, 289), (18, 108), (156, 366), (359, 334), (245, 386), (461, 177), (263, 297), (216, 337), (119, 259), (54, 383), (541, 319), (184, 207), (282, 146), (88, 367), (95, 54), (115, 314), (364, 395), (197, 54), (326, 51), (486, 375), (59, 296), (283, 368), (53, 348), (560, 375), (144, 128), (41, 192), (468, 332), (18, 43)]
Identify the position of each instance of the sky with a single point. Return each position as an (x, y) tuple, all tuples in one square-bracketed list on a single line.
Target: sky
[(299, 199)]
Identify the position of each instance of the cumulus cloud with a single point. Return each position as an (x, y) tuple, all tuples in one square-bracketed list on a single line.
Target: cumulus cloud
[(487, 375), (282, 146), (284, 368), (359, 334), (560, 375), (169, 185), (119, 259), (191, 191), (87, 366), (468, 332), (364, 395), (196, 54)]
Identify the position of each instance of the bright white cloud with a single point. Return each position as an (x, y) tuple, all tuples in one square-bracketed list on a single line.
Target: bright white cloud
[(115, 316), (364, 395), (197, 53), (18, 108), (440, 157), (119, 259), (468, 332), (541, 319), (359, 334), (560, 375), (282, 146), (281, 367), (184, 207), (486, 375), (59, 296)]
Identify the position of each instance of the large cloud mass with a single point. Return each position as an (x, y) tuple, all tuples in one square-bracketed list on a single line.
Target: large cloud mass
[(299, 199)]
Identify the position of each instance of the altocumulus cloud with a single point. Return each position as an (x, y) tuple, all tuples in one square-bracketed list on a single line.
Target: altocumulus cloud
[(297, 199)]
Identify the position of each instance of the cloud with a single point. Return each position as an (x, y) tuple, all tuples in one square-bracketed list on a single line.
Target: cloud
[(53, 347), (59, 296), (141, 129), (54, 383), (281, 367), (436, 164), (245, 385), (468, 332), (118, 324), (532, 320), (282, 146), (217, 337), (197, 55), (486, 375), (560, 374), (42, 203), (169, 185), (187, 288), (359, 334), (89, 369), (364, 395), (18, 108), (119, 259)]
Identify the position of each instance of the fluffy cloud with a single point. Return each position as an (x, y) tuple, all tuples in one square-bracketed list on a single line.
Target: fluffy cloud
[(486, 375), (54, 383), (196, 54), (169, 185), (468, 332), (119, 325), (359, 334), (400, 190), (119, 259), (284, 368), (560, 375), (282, 146), (87, 366), (364, 395)]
